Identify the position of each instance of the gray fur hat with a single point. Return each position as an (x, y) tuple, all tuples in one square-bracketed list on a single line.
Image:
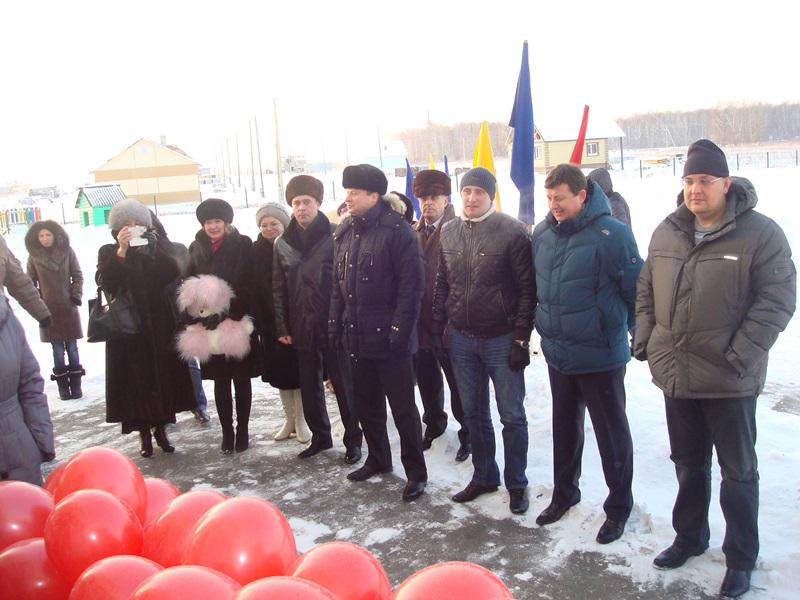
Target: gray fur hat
[(126, 211), (276, 210)]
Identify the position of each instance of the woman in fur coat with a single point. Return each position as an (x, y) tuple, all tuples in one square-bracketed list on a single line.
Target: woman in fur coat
[(219, 249), (280, 366), (146, 383), (54, 270)]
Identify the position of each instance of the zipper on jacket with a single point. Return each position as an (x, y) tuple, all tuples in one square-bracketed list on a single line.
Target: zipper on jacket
[(469, 269)]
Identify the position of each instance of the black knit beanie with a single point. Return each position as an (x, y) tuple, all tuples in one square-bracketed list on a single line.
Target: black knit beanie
[(480, 177), (704, 157)]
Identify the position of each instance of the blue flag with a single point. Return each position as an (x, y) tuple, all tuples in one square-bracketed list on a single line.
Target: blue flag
[(410, 190), (447, 170), (522, 150)]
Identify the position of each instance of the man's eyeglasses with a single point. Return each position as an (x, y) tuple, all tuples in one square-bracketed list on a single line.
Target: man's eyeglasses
[(701, 181)]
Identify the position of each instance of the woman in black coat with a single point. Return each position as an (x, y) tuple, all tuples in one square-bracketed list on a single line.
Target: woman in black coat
[(146, 384), (219, 249), (280, 367)]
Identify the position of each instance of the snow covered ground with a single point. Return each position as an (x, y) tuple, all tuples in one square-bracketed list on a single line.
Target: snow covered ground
[(648, 530)]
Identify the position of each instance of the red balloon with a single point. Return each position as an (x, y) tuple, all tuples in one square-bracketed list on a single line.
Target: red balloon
[(165, 538), (51, 483), (160, 492), (89, 525), (24, 508), (272, 588), (187, 583), (105, 469), (246, 538), (26, 573), (113, 578), (452, 581), (349, 571)]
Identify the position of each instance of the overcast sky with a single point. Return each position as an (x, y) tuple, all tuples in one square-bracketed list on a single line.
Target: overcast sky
[(85, 79)]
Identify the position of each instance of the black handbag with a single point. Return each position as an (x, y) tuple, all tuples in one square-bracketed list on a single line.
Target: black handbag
[(116, 319)]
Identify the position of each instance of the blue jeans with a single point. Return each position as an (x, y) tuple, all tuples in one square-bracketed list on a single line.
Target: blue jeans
[(71, 348), (197, 384), (475, 361)]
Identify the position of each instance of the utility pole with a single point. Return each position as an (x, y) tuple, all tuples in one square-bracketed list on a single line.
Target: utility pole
[(346, 148), (380, 150), (252, 158), (278, 148), (238, 164), (230, 171), (258, 147), (224, 174)]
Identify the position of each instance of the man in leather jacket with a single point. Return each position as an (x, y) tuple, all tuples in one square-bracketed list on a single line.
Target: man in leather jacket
[(485, 292)]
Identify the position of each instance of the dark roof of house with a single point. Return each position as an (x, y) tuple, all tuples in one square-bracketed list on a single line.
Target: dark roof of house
[(100, 195)]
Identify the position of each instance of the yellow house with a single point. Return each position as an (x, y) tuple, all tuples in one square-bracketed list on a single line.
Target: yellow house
[(554, 139), (153, 173)]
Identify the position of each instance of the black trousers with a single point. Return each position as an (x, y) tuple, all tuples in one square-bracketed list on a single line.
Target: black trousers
[(729, 425), (431, 389), (224, 401), (337, 366), (604, 395), (313, 364), (375, 381)]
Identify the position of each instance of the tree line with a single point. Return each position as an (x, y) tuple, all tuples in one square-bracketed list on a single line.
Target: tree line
[(727, 125), (457, 141)]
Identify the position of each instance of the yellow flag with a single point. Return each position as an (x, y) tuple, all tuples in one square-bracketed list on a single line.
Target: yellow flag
[(431, 163), (483, 157)]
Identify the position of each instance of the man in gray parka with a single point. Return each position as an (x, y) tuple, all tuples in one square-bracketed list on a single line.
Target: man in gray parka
[(717, 288), (26, 433)]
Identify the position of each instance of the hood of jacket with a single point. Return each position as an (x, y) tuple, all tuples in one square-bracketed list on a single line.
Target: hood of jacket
[(595, 206), (602, 178), (60, 244), (740, 198)]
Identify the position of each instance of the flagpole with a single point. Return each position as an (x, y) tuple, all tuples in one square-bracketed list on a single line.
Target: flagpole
[(278, 148), (258, 148), (252, 158)]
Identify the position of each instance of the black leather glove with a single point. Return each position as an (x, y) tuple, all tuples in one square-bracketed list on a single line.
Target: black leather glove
[(45, 323), (48, 456), (519, 357), (152, 241), (77, 301)]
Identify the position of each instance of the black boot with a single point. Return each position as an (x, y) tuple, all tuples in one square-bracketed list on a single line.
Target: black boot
[(227, 439), (61, 377), (147, 442), (75, 375), (161, 439), (242, 438)]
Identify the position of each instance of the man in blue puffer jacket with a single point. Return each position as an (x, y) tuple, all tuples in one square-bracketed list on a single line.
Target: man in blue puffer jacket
[(586, 265)]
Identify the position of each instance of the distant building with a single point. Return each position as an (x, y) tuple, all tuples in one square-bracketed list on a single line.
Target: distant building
[(555, 136), (153, 173), (45, 192), (94, 202)]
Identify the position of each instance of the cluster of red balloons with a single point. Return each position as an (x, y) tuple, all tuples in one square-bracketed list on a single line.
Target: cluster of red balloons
[(99, 529)]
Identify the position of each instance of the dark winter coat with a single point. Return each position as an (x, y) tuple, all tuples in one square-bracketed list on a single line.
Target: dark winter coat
[(586, 270), (146, 383), (233, 263), (619, 207), (26, 433), (431, 251), (57, 274), (378, 284), (302, 280), (19, 285), (279, 361), (707, 314), (485, 285)]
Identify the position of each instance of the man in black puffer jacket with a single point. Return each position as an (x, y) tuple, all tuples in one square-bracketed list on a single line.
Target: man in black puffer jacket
[(301, 292), (485, 291), (377, 291)]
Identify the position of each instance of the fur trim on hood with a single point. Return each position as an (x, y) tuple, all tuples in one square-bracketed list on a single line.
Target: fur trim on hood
[(35, 248)]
